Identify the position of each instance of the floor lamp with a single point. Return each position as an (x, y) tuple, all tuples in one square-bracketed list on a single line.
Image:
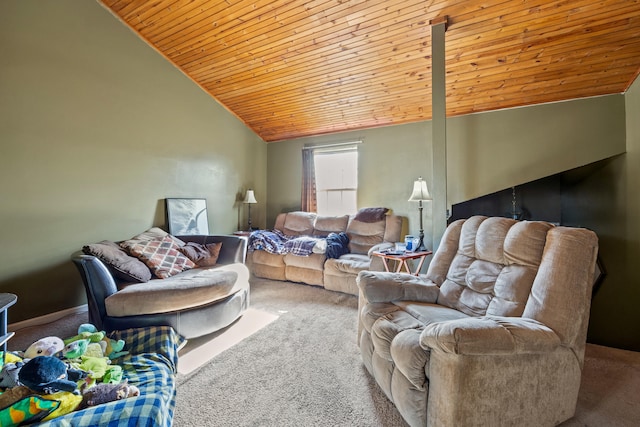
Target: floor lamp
[(250, 199), (420, 194)]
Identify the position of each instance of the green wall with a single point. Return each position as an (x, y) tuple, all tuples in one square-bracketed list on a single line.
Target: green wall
[(488, 152), (615, 318), (97, 129), (389, 160), (485, 153), (491, 151)]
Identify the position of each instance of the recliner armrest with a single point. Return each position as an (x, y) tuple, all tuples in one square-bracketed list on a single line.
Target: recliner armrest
[(489, 335), (380, 286)]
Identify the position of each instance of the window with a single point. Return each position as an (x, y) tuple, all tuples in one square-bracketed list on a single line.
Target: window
[(336, 173)]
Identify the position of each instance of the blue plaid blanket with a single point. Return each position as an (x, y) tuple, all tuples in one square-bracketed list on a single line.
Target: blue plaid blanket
[(301, 246), (151, 366), (270, 241), (276, 242)]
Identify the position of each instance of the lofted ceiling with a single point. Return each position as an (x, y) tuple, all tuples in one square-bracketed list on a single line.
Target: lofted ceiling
[(294, 68)]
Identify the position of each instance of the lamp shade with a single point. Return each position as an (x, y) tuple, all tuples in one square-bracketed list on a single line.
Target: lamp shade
[(250, 197), (420, 191)]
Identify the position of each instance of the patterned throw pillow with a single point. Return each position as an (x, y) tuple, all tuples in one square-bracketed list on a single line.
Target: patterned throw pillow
[(202, 255), (161, 256)]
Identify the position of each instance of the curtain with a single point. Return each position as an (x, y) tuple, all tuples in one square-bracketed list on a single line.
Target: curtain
[(309, 201)]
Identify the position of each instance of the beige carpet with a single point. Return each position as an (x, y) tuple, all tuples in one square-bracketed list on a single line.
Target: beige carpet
[(297, 357), (610, 390), (305, 369), (199, 351)]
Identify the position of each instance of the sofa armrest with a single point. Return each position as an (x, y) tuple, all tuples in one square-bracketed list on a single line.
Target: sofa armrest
[(380, 247), (489, 335), (98, 283), (378, 286), (234, 248)]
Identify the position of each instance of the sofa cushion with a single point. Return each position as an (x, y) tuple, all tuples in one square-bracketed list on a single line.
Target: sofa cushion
[(202, 255), (410, 315), (299, 224), (495, 265), (326, 225), (161, 256), (347, 264), (188, 289), (364, 235), (428, 313), (122, 265), (266, 258), (311, 262), (371, 214)]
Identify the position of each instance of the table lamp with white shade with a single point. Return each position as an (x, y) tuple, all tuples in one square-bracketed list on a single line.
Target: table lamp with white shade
[(420, 194), (250, 199)]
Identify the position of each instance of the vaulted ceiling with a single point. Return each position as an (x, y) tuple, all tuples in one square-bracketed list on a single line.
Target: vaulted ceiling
[(294, 68)]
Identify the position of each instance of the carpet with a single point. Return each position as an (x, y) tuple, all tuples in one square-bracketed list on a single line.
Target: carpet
[(610, 389), (304, 369), (201, 350)]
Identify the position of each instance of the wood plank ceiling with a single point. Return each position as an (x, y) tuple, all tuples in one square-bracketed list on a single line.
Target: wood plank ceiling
[(294, 68)]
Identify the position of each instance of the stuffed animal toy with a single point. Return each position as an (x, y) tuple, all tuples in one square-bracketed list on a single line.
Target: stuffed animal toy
[(83, 347), (87, 327), (48, 374), (9, 374), (113, 375), (91, 336), (95, 366), (75, 349), (47, 346), (114, 349), (95, 349), (111, 348), (103, 393), (10, 357)]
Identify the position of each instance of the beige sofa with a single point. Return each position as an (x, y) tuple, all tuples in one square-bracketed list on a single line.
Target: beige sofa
[(337, 274), (493, 335)]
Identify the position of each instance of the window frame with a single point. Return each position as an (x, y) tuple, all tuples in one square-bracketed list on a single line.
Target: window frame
[(329, 150)]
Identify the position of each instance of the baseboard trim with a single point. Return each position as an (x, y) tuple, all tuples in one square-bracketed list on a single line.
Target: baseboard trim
[(47, 318)]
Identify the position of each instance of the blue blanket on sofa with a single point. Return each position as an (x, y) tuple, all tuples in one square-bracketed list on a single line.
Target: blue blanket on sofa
[(276, 242), (151, 365)]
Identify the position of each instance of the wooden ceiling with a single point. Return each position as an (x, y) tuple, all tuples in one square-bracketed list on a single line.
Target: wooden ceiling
[(293, 68)]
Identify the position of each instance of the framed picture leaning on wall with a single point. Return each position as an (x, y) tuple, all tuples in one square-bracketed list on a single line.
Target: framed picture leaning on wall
[(187, 217)]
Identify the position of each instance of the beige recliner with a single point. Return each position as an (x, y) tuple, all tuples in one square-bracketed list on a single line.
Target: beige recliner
[(493, 334)]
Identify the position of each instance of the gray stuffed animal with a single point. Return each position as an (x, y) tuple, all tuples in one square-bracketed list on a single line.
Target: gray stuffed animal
[(9, 375), (103, 393)]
